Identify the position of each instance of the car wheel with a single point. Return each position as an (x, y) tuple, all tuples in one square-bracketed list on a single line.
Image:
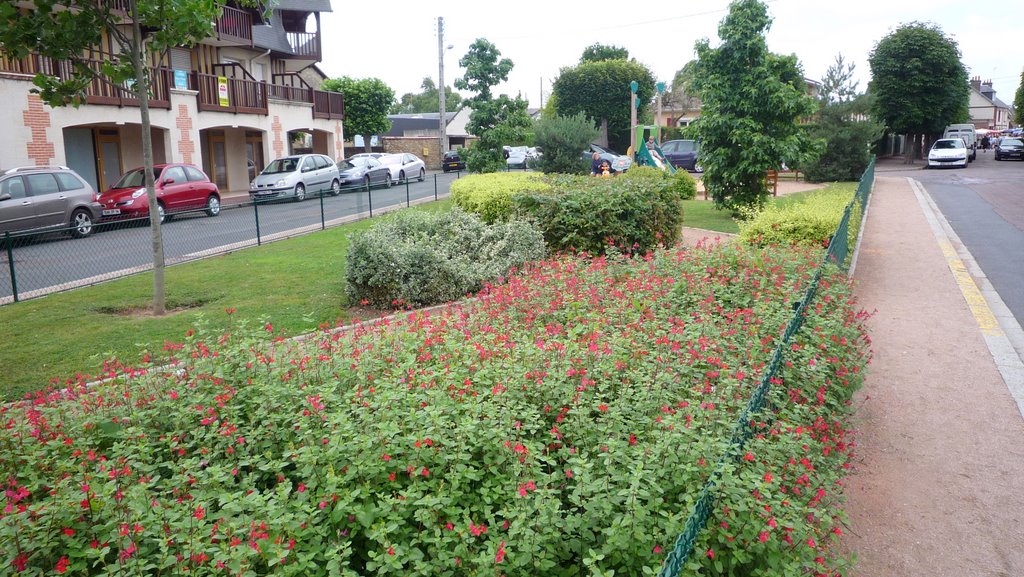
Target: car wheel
[(81, 222), (335, 188), (213, 205), (300, 192), (423, 174), (401, 176), (162, 212)]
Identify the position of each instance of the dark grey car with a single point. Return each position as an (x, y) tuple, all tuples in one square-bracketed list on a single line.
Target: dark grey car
[(51, 197), (683, 154)]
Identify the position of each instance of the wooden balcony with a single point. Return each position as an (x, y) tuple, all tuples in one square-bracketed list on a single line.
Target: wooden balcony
[(329, 105), (305, 45), (240, 95), (99, 91), (234, 27)]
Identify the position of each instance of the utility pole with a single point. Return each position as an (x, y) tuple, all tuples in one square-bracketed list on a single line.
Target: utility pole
[(442, 114)]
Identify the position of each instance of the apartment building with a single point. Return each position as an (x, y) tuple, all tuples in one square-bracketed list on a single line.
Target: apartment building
[(242, 97)]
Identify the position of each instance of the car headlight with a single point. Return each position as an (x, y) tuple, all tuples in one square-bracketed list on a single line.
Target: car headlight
[(252, 185), (281, 183), (138, 193)]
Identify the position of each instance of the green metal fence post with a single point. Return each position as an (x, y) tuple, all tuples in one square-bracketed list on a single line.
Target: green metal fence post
[(10, 263), (369, 200), (323, 224), (408, 202), (256, 210), (435, 187)]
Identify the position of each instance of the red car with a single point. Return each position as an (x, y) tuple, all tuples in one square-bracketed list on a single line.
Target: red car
[(179, 188)]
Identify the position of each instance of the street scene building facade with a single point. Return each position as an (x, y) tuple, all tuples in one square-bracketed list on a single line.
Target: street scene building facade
[(245, 96)]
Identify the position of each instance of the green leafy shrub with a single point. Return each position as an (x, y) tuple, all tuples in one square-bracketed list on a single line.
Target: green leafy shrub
[(636, 214), (563, 138), (680, 180), (563, 423), (489, 196), (809, 222), (417, 258)]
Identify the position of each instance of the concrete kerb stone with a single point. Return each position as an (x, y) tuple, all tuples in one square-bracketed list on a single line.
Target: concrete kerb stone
[(1002, 333)]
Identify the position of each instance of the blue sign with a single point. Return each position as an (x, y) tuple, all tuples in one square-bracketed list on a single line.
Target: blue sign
[(181, 79)]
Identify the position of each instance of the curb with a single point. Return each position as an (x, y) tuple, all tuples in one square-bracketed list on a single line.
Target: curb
[(1002, 333)]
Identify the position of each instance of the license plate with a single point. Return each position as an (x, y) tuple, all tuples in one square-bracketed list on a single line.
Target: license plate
[(452, 164), (111, 211)]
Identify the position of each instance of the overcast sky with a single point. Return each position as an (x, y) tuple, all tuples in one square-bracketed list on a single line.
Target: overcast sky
[(396, 40)]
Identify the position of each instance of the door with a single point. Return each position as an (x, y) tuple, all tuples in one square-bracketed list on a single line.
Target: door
[(16, 210), (177, 195), (219, 160), (50, 202), (108, 157), (254, 154)]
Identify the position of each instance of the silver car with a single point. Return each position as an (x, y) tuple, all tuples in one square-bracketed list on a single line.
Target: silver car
[(47, 197), (295, 177)]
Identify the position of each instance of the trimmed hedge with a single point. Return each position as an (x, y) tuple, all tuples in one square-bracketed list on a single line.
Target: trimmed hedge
[(809, 222), (419, 259), (489, 196), (636, 214)]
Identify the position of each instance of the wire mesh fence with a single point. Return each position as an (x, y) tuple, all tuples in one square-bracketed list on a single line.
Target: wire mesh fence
[(37, 263)]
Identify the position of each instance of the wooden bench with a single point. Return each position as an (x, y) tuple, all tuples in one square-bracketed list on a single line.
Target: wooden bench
[(772, 177)]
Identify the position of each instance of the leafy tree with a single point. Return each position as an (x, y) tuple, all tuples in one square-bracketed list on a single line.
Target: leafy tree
[(837, 85), (427, 101), (600, 90), (599, 52), (149, 27), (918, 82), (367, 102), (484, 70), (1018, 103), (561, 138), (751, 100)]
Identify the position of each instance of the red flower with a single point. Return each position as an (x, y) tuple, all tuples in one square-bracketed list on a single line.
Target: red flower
[(302, 487), (568, 473), (500, 556), (62, 565), (768, 478), (477, 530), (657, 549), (763, 536), (391, 550), (425, 472), (748, 457), (603, 408), (199, 512), (68, 531), (711, 553), (20, 562), (386, 457)]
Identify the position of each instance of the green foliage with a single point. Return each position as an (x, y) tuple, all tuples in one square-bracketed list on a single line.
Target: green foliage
[(562, 138), (486, 154), (598, 52), (848, 133), (484, 70), (600, 90), (589, 214), (561, 424), (488, 114), (416, 258), (367, 102), (809, 222), (1018, 102), (751, 101), (489, 196), (918, 81), (428, 100), (837, 85)]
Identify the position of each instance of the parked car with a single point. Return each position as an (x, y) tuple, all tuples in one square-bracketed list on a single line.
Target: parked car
[(682, 154), (1010, 148), (948, 152), (517, 157), (617, 162), (179, 188), (404, 166), (296, 176), (51, 197), (363, 171), (452, 161)]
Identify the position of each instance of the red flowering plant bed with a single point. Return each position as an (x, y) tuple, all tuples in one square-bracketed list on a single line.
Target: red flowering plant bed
[(562, 423)]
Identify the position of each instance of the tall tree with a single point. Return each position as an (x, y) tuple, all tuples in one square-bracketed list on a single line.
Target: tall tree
[(427, 100), (918, 82), (600, 90), (485, 69), (681, 94), (751, 100), (367, 102), (837, 85), (66, 29), (599, 52), (1018, 102)]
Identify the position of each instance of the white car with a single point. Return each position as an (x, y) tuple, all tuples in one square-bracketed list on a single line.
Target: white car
[(296, 176), (948, 152), (404, 166)]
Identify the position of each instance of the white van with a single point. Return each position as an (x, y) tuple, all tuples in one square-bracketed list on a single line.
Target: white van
[(969, 136)]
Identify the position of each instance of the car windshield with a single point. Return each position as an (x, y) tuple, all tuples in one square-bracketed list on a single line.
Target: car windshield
[(356, 162), (281, 165), (135, 179), (947, 144), (1012, 142)]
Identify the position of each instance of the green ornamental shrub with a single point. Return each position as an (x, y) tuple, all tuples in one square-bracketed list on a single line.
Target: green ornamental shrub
[(489, 196), (418, 258), (582, 213), (809, 222)]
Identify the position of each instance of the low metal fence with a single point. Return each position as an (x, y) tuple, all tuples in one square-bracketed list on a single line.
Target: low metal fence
[(837, 255), (37, 263)]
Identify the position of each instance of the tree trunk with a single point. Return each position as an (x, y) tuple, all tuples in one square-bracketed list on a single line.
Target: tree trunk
[(142, 93), (910, 150)]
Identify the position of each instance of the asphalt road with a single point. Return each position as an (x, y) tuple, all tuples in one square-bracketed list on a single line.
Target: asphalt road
[(50, 263), (984, 204)]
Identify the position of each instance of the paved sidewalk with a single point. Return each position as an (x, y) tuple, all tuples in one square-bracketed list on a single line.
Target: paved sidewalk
[(939, 486)]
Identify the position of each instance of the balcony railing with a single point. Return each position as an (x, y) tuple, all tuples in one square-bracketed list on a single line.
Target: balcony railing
[(214, 92), (235, 26), (305, 45)]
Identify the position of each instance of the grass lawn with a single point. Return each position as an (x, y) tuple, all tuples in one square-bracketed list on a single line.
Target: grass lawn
[(295, 284), (702, 214)]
